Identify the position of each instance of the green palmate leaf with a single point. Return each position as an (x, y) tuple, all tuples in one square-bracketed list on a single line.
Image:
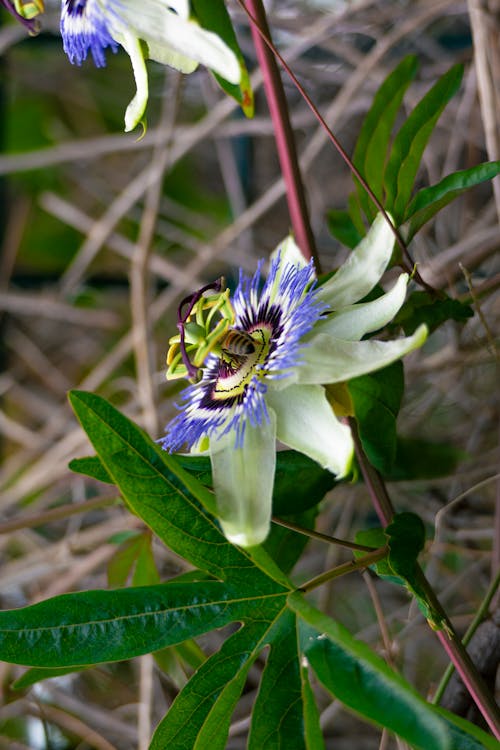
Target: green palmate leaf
[(157, 489), (213, 16), (90, 627), (278, 714), (373, 141), (411, 140), (430, 200), (376, 399), (421, 307), (364, 683), (200, 715)]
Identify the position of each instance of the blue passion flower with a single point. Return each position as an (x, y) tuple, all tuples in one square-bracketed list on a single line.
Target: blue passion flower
[(265, 378), (169, 34)]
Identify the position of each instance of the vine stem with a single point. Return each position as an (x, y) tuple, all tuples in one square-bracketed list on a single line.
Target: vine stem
[(285, 142), (451, 643), (263, 41), (342, 570), (312, 534)]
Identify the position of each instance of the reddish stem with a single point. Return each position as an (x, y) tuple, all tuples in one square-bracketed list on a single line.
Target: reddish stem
[(285, 142), (459, 657)]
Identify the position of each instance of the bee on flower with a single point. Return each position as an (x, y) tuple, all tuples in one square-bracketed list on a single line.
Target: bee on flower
[(262, 378), (166, 30)]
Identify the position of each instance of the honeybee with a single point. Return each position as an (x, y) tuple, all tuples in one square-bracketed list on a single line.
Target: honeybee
[(238, 344)]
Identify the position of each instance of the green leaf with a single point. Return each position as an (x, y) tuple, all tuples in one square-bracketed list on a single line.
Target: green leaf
[(364, 683), (213, 16), (423, 459), (200, 715), (411, 140), (373, 142), (465, 735), (277, 717), (312, 727), (405, 537), (377, 398), (343, 228), (158, 490), (90, 466), (300, 483), (430, 200), (421, 307), (406, 534), (90, 627), (121, 563), (146, 572)]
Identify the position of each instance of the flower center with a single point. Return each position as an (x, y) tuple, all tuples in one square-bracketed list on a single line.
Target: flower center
[(244, 354)]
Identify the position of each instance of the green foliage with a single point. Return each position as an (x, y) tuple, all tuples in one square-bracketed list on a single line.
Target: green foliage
[(374, 138), (421, 307), (377, 398), (90, 466), (391, 169), (213, 16), (343, 228), (411, 140), (229, 585), (405, 538), (428, 201)]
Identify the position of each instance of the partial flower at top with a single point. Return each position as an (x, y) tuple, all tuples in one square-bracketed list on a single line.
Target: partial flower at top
[(171, 38), (264, 368)]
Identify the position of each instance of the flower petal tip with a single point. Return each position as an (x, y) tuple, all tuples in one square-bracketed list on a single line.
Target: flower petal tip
[(249, 537)]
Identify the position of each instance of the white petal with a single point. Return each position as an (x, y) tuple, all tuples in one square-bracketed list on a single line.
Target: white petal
[(306, 423), (331, 360), (355, 321), (181, 7), (135, 109), (157, 25), (165, 55), (243, 482), (362, 269), (290, 253)]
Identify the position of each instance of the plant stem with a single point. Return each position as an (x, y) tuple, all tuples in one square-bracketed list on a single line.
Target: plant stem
[(321, 537), (478, 618), (283, 132), (449, 639), (342, 570)]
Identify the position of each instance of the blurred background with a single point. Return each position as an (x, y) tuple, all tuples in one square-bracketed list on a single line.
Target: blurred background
[(102, 234)]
